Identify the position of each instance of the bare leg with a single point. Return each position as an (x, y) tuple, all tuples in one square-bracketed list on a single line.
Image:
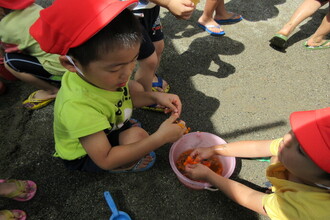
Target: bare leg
[(222, 13), (305, 10), (207, 16), (131, 135), (319, 36), (146, 71), (159, 47), (47, 91), (135, 86)]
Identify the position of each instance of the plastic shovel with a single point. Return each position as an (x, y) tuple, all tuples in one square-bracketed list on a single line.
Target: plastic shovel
[(116, 215)]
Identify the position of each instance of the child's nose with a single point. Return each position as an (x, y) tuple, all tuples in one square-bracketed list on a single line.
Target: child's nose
[(127, 71)]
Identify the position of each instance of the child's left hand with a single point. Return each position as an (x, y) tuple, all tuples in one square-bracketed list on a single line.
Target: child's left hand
[(170, 101), (198, 171)]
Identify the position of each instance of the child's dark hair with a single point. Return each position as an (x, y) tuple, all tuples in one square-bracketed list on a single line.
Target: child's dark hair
[(121, 33)]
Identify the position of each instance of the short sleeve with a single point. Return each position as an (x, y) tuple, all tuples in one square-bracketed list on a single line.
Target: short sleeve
[(274, 145), (79, 123)]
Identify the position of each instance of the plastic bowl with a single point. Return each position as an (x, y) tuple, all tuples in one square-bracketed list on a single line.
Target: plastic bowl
[(195, 140)]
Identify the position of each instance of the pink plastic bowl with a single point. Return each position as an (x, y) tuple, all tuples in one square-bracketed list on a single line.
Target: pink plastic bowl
[(195, 140)]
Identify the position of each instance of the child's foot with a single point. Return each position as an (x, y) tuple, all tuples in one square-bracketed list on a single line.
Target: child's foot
[(20, 190), (142, 165), (12, 214), (159, 84), (210, 26), (38, 99), (42, 94), (228, 17)]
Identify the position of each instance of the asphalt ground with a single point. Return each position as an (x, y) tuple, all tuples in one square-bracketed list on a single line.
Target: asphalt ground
[(235, 86)]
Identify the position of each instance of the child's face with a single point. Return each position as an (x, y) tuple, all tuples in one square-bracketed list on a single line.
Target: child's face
[(113, 70), (296, 160)]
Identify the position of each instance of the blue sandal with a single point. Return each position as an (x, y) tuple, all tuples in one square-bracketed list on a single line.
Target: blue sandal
[(135, 168), (230, 20), (159, 84)]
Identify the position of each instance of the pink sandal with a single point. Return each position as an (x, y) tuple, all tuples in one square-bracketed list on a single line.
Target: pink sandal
[(9, 214), (23, 186)]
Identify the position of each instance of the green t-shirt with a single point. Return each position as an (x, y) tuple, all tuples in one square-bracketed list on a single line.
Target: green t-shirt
[(82, 109), (14, 29)]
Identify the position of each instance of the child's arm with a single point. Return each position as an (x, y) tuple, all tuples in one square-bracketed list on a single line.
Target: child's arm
[(236, 149), (241, 194), (107, 157), (170, 101), (245, 149)]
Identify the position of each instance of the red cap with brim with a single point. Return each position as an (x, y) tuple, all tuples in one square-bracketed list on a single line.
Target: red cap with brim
[(312, 130), (69, 23), (16, 4)]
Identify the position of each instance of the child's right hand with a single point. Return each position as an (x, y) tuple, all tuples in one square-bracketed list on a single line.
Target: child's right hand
[(198, 171), (170, 131), (202, 153), (182, 9)]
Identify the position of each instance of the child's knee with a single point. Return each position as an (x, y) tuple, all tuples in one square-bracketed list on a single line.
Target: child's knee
[(150, 62), (132, 135), (159, 47)]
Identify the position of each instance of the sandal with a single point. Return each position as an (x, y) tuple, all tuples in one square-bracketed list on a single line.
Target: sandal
[(159, 84), (32, 103), (136, 166), (232, 19), (23, 186), (134, 123), (324, 45), (155, 107), (9, 214), (279, 41)]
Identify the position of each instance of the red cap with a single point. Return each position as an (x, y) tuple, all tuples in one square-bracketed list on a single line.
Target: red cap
[(69, 23), (15, 4), (312, 130)]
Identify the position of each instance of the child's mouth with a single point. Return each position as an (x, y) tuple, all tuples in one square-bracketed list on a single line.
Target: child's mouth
[(122, 84)]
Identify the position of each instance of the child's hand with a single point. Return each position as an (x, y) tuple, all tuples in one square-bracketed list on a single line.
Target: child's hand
[(198, 171), (171, 102), (181, 8), (202, 153), (170, 131)]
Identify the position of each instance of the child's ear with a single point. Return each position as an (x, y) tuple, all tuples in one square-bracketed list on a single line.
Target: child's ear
[(67, 64), (2, 13)]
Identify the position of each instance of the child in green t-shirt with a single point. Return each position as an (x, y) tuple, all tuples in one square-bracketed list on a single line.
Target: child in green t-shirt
[(92, 126), (299, 173), (22, 55)]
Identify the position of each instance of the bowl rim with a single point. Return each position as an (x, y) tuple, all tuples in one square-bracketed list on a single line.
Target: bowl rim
[(186, 179)]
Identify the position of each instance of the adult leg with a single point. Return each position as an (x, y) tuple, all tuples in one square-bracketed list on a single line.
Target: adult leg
[(318, 38), (305, 10)]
